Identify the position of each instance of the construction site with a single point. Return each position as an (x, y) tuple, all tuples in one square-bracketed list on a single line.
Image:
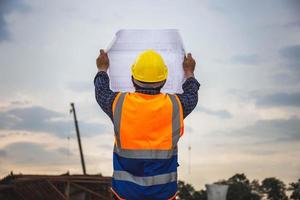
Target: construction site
[(59, 187)]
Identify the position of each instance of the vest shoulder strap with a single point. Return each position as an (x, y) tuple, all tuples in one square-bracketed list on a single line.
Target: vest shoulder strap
[(177, 118), (117, 112)]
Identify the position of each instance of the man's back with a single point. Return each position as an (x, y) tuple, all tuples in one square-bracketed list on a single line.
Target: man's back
[(147, 126)]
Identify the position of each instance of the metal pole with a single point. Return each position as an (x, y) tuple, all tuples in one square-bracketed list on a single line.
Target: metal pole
[(78, 137)]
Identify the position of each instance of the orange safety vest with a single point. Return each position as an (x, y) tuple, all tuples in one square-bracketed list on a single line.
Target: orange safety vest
[(147, 130)]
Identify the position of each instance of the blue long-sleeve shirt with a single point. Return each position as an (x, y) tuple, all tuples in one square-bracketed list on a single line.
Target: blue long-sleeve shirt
[(105, 96)]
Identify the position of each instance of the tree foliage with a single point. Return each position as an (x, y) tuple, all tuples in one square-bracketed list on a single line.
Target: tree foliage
[(274, 189), (241, 188), (295, 188), (187, 192)]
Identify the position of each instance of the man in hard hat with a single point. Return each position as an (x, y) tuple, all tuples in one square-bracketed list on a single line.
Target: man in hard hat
[(147, 126)]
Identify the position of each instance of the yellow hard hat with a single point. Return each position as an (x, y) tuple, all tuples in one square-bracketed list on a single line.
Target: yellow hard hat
[(149, 67)]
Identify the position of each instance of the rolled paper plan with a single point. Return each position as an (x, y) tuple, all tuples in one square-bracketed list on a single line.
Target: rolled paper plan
[(128, 44)]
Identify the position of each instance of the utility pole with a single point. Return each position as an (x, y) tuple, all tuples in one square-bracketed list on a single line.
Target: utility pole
[(78, 137)]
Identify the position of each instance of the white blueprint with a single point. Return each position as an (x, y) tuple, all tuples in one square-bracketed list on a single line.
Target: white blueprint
[(127, 45)]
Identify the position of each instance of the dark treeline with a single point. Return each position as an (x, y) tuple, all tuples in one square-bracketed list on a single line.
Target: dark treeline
[(241, 188)]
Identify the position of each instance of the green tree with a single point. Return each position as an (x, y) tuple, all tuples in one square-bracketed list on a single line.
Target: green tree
[(200, 195), (240, 188), (295, 188), (256, 190), (187, 192), (274, 189)]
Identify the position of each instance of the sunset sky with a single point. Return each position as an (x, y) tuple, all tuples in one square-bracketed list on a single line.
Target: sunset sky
[(248, 63)]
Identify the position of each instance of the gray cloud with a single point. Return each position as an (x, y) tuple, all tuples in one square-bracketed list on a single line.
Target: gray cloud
[(106, 146), (251, 59), (258, 151), (262, 99), (19, 103), (291, 52), (224, 114), (290, 60), (64, 151), (294, 24), (259, 134), (39, 119), (292, 56), (3, 32), (286, 78), (2, 153), (277, 130), (31, 153), (242, 10), (26, 152), (279, 99), (84, 86), (6, 7)]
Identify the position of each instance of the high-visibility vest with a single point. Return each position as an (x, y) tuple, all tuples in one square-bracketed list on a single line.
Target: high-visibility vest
[(147, 129)]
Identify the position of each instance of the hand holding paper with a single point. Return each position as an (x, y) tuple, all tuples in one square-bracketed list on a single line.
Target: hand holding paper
[(102, 61), (189, 66)]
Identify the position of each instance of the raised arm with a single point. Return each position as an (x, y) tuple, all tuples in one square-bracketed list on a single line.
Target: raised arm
[(104, 95), (189, 97)]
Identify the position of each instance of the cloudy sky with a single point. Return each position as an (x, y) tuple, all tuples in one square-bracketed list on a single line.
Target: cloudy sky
[(248, 63)]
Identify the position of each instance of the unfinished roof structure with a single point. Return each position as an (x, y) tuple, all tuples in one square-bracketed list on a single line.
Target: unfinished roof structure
[(50, 187)]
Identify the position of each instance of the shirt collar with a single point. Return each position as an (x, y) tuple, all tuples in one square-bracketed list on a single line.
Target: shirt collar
[(148, 91)]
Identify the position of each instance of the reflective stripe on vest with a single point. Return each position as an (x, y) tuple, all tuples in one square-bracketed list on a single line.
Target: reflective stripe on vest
[(145, 180), (147, 154), (117, 117), (175, 121)]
